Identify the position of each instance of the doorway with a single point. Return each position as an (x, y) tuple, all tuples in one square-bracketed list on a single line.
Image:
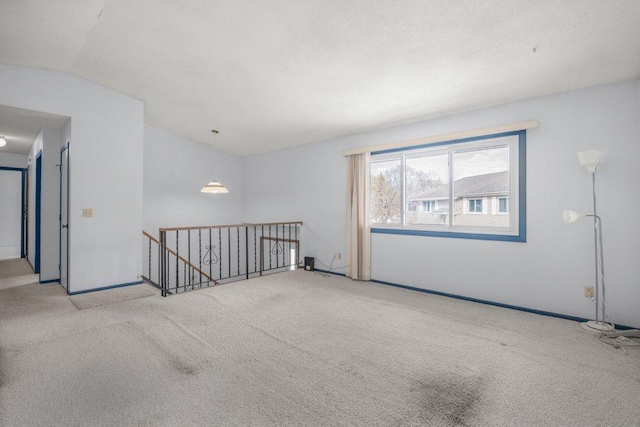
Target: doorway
[(38, 224), (12, 219), (64, 217)]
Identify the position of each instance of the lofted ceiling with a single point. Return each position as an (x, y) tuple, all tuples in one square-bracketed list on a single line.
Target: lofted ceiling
[(271, 74)]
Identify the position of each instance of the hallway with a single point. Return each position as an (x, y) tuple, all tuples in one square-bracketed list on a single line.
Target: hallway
[(16, 272)]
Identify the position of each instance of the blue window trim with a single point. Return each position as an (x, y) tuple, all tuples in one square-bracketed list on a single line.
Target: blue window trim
[(522, 202)]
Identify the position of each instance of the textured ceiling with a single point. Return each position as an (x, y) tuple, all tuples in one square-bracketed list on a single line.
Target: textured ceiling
[(276, 73)]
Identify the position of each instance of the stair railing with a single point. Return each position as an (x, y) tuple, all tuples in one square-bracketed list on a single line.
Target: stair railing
[(188, 258)]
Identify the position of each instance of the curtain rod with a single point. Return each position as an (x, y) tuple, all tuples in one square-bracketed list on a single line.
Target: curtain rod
[(529, 124)]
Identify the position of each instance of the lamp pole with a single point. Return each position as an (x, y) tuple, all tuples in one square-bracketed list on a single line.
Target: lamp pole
[(595, 241), (590, 159)]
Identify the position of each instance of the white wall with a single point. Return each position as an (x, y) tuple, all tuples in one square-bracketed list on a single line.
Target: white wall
[(106, 155), (49, 142), (306, 183), (31, 217), (549, 271), (11, 160), (10, 213), (50, 226), (175, 169)]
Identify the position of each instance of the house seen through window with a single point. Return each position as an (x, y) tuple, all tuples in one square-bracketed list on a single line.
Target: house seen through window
[(464, 186)]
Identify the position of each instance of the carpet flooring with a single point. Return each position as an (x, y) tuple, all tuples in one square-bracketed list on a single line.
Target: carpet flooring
[(14, 267), (111, 296), (298, 348), (16, 272)]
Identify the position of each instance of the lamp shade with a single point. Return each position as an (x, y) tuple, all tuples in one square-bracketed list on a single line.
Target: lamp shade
[(589, 159), (214, 187), (570, 216), (3, 141)]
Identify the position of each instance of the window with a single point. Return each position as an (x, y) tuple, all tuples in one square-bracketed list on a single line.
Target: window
[(386, 204), (456, 188), (475, 205), (503, 205), (429, 205)]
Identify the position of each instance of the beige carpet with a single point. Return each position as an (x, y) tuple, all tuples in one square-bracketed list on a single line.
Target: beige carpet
[(112, 296), (16, 272), (14, 267), (301, 349)]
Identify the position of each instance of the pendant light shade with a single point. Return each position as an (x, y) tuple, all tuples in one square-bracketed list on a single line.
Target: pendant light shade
[(570, 216), (214, 187)]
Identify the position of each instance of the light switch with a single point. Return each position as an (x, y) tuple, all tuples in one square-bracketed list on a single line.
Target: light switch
[(87, 213)]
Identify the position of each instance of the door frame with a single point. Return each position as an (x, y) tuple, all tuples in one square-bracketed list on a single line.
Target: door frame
[(38, 217), (23, 206), (62, 150)]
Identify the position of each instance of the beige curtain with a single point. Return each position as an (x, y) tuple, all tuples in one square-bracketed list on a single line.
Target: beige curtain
[(358, 231)]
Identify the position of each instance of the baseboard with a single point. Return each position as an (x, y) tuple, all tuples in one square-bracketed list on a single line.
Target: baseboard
[(481, 301), (330, 272), (496, 304), (104, 288), (44, 282)]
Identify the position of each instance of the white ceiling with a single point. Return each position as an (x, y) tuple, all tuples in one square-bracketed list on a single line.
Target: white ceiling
[(21, 127), (276, 73)]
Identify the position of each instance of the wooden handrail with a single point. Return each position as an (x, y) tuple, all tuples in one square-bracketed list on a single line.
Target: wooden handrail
[(150, 236), (172, 252), (245, 224)]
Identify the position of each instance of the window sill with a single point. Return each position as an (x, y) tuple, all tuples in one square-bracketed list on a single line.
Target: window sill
[(451, 234)]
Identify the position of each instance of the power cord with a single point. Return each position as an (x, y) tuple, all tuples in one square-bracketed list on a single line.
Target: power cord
[(618, 343), (330, 267)]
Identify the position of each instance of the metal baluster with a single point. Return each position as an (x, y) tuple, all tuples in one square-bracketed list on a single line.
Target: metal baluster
[(161, 264), (297, 246), (238, 241), (177, 258), (166, 264), (189, 263), (229, 249), (220, 250), (200, 255), (276, 249), (289, 254), (270, 264), (158, 265), (246, 250), (210, 259), (255, 254)]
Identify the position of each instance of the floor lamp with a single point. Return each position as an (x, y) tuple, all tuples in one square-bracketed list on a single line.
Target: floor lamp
[(590, 159)]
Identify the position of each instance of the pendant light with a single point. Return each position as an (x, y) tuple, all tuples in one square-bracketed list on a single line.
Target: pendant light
[(214, 187)]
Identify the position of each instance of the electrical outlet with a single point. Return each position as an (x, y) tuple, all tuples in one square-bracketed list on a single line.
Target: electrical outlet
[(87, 213), (588, 291), (339, 256)]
